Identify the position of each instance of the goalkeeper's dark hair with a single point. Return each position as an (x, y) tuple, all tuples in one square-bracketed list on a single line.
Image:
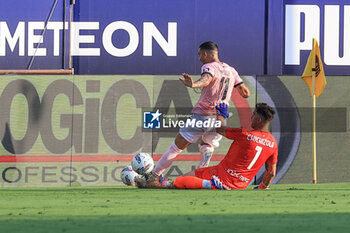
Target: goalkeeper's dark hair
[(210, 46), (265, 111)]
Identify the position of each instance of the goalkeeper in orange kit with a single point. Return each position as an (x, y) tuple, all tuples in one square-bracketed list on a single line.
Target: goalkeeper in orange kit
[(249, 151)]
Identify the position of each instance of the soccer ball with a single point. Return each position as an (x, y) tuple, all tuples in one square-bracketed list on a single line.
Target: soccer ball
[(142, 163), (128, 176)]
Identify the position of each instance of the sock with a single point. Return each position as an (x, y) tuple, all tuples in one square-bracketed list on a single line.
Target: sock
[(167, 159), (207, 151), (191, 182), (205, 148)]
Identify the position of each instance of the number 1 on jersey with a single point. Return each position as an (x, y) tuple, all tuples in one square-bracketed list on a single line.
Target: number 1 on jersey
[(257, 154)]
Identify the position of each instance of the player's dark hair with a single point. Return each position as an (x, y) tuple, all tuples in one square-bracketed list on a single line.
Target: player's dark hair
[(209, 45), (265, 111)]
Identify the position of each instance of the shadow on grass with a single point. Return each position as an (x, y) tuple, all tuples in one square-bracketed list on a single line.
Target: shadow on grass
[(286, 223)]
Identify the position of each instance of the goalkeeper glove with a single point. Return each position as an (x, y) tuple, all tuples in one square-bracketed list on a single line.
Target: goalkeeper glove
[(221, 109)]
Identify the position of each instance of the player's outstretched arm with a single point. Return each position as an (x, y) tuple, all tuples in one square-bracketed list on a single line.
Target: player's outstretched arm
[(270, 173), (202, 82), (243, 90), (221, 130)]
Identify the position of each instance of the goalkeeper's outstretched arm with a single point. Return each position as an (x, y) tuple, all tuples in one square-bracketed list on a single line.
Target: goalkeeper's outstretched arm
[(222, 115), (221, 130), (270, 173)]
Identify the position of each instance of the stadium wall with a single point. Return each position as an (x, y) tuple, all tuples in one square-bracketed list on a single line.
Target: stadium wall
[(56, 129), (82, 130)]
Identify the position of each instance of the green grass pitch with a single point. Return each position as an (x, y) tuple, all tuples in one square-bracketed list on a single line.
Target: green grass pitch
[(284, 208)]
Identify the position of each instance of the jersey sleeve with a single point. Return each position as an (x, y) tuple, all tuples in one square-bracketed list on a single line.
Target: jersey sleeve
[(208, 69), (273, 158), (234, 133), (238, 79)]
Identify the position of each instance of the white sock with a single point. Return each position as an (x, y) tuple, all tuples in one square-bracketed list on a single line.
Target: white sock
[(167, 159), (205, 148), (207, 151)]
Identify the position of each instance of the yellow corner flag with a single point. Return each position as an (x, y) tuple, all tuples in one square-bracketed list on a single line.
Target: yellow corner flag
[(314, 67)]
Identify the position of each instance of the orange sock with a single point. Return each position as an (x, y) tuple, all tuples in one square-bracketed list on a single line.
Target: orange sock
[(188, 182)]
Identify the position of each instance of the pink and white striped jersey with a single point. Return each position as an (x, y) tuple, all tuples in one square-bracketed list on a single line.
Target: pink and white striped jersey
[(225, 78)]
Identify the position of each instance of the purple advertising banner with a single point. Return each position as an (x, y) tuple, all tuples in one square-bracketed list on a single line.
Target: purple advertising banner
[(21, 26), (293, 24), (161, 37), (133, 37)]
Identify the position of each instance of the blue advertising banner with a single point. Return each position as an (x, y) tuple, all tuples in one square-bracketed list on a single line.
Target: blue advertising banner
[(22, 23), (293, 24), (133, 37), (161, 37)]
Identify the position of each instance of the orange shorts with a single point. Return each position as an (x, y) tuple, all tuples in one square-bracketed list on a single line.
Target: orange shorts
[(207, 173)]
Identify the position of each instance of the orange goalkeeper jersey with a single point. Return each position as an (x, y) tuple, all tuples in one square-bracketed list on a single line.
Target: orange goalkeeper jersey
[(249, 151)]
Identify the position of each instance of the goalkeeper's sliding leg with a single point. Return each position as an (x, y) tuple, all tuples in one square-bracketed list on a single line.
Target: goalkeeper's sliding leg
[(187, 182), (193, 182)]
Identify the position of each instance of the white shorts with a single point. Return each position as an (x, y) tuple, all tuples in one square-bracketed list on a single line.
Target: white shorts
[(208, 134)]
